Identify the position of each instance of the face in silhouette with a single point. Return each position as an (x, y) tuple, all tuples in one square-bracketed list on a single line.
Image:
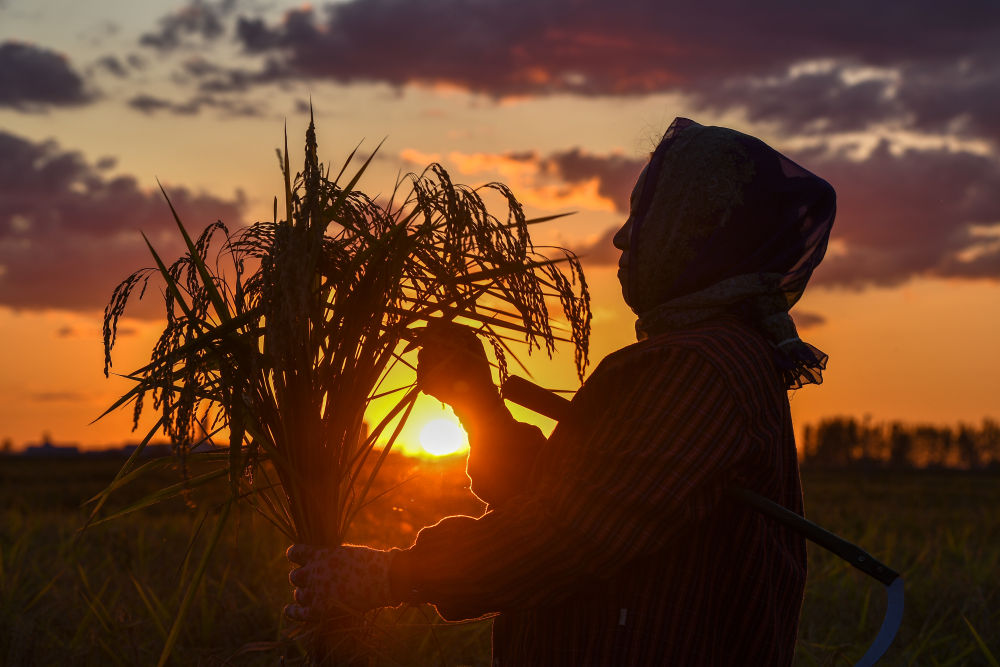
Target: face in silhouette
[(623, 237)]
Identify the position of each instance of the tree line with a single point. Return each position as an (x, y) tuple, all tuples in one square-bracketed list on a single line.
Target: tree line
[(847, 441)]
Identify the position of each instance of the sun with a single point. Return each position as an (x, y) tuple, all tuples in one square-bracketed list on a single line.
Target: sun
[(441, 437)]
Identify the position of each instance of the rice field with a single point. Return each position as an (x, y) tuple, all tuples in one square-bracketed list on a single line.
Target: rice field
[(107, 597)]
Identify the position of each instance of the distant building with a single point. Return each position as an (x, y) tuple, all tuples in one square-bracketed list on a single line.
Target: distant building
[(47, 449), (151, 450)]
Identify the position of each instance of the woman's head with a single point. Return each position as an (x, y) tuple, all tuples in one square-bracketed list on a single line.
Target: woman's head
[(622, 239), (713, 203)]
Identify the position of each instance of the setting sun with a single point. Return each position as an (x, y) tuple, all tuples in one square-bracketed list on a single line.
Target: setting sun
[(442, 436)]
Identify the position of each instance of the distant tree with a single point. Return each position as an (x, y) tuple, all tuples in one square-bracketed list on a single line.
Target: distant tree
[(7, 446), (808, 444), (933, 445), (967, 447), (872, 448), (843, 441), (836, 440), (900, 446), (989, 442), (946, 439)]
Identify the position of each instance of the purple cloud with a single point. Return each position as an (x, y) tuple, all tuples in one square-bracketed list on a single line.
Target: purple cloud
[(59, 397), (912, 62), (956, 96), (908, 213), (199, 19), (69, 232), (822, 99), (601, 252), (150, 104), (616, 174), (901, 214), (113, 65), (34, 78), (807, 320)]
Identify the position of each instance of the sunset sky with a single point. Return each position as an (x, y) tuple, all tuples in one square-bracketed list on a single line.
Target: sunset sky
[(897, 104)]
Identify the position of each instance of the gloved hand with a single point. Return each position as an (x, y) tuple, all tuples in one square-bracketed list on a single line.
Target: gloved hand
[(452, 367), (333, 580)]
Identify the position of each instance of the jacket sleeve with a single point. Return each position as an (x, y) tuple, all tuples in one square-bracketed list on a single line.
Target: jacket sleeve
[(647, 448)]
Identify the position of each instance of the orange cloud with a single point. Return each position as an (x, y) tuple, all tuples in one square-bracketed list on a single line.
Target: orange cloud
[(568, 179)]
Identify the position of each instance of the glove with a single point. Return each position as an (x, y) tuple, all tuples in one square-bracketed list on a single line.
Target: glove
[(334, 580), (452, 367)]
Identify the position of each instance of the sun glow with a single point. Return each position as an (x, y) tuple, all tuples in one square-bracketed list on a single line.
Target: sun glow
[(441, 437)]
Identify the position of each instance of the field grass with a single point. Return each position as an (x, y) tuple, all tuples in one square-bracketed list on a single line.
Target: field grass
[(107, 596)]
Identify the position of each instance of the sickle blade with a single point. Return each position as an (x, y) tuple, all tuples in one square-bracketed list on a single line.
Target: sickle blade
[(890, 625)]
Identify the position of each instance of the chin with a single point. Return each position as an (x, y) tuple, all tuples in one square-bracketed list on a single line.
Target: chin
[(624, 284)]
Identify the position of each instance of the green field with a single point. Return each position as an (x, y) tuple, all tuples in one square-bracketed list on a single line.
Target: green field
[(108, 596)]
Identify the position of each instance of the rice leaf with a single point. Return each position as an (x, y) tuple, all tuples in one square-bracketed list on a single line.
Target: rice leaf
[(152, 604), (990, 658), (122, 475), (125, 399), (171, 283), (164, 494), (192, 586), (207, 280)]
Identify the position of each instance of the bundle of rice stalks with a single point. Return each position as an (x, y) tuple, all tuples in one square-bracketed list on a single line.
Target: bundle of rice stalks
[(281, 343)]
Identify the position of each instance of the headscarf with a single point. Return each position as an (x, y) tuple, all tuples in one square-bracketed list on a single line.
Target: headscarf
[(725, 224)]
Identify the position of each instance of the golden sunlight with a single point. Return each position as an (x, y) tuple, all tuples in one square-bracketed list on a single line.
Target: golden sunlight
[(443, 436)]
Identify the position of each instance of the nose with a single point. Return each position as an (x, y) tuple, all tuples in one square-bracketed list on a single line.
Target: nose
[(621, 238)]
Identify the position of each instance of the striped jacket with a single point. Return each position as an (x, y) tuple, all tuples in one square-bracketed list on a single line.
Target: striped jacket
[(612, 542)]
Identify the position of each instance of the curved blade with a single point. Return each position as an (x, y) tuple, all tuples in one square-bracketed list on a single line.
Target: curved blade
[(890, 625)]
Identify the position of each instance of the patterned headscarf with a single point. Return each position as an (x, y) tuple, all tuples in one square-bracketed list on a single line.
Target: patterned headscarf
[(726, 224)]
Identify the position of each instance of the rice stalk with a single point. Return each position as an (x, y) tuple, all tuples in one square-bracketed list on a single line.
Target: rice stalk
[(281, 341)]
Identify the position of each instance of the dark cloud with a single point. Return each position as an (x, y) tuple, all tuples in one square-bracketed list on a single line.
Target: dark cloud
[(106, 162), (34, 78), (113, 65), (135, 61), (201, 67), (149, 105), (824, 99), (256, 35), (901, 214), (237, 80), (985, 264), (807, 320), (199, 19), (59, 397), (909, 213), (68, 331), (960, 96), (119, 67), (881, 60), (69, 232), (601, 252), (616, 174)]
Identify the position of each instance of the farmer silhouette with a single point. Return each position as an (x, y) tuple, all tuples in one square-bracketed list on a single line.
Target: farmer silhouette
[(612, 542)]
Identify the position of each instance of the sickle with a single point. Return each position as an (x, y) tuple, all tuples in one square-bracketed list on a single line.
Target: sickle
[(853, 554), (544, 402)]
